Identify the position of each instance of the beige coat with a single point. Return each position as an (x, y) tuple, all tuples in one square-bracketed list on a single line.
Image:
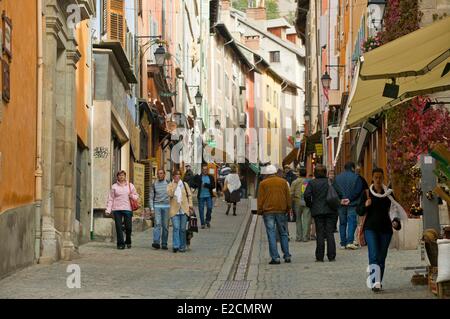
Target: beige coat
[(185, 203)]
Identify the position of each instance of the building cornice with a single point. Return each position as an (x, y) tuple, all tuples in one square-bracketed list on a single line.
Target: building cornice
[(73, 56)]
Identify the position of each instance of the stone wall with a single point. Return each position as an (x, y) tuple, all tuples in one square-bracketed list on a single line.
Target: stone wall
[(433, 10), (17, 239)]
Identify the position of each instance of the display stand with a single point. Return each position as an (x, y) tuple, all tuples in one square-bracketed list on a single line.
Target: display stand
[(442, 171)]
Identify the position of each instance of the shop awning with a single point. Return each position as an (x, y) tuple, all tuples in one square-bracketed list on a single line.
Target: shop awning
[(311, 142), (254, 167), (291, 157), (416, 60)]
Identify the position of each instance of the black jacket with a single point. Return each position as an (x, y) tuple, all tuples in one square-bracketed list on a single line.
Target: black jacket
[(316, 197), (196, 183)]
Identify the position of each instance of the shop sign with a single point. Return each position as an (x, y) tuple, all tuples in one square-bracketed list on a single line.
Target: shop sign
[(319, 149)]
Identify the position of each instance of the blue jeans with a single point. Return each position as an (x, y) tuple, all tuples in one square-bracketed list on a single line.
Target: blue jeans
[(377, 246), (277, 222), (347, 216), (179, 231), (201, 207), (161, 223)]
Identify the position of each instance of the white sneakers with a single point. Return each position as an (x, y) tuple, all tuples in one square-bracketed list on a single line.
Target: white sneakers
[(376, 287), (351, 246)]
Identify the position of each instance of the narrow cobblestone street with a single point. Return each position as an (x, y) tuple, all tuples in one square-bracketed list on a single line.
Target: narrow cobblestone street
[(143, 272)]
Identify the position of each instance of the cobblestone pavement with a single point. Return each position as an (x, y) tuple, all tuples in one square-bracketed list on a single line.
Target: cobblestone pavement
[(143, 272), (345, 278), (140, 272)]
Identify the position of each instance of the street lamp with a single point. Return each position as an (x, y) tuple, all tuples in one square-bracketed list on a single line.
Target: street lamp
[(307, 116), (160, 56), (326, 80), (198, 97), (376, 12)]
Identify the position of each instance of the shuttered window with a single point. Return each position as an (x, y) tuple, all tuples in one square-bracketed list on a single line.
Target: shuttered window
[(117, 21)]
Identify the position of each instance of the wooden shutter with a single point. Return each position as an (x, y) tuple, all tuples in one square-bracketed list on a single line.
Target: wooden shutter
[(117, 21), (104, 20)]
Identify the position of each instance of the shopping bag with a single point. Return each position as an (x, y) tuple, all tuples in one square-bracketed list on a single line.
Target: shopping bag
[(193, 225)]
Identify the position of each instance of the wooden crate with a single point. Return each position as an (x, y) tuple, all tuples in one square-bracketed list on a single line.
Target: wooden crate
[(443, 289)]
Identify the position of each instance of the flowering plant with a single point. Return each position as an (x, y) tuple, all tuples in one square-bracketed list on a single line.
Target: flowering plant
[(411, 133), (371, 43)]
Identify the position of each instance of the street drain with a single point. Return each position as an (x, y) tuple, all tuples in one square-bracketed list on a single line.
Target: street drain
[(233, 289)]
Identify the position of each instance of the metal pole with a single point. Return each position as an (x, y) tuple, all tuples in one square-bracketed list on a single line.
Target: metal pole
[(428, 183)]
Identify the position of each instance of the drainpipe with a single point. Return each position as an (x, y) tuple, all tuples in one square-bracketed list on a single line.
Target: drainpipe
[(38, 172), (92, 133)]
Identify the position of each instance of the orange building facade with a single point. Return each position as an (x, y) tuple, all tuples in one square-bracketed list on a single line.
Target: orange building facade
[(18, 111)]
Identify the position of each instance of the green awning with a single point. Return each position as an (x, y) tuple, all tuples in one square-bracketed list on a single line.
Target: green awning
[(254, 167)]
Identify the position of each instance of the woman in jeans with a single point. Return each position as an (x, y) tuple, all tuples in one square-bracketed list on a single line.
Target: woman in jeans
[(119, 205), (180, 209), (378, 227)]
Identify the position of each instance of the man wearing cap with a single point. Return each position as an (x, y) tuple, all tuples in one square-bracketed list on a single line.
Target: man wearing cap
[(274, 202)]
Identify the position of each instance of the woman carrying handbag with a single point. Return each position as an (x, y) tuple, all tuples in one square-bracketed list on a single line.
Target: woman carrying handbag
[(181, 208), (383, 214), (232, 188), (122, 200)]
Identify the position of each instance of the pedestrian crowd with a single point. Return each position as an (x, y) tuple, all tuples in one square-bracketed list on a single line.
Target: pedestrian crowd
[(319, 204), (365, 215)]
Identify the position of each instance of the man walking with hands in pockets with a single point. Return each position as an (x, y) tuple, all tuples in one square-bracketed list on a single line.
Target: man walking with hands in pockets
[(274, 202), (159, 205)]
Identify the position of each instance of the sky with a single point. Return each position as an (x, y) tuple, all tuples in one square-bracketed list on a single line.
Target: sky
[(129, 15)]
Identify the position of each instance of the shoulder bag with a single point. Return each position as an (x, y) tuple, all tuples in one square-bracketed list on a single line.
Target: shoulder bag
[(333, 200), (193, 225), (133, 202)]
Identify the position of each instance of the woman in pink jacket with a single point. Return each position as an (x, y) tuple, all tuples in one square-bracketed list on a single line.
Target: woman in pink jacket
[(119, 205)]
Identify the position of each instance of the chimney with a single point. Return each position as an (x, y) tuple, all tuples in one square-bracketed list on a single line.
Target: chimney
[(256, 10), (225, 4), (252, 42)]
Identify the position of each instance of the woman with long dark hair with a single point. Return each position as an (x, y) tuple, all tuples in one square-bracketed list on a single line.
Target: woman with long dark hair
[(378, 226), (119, 205)]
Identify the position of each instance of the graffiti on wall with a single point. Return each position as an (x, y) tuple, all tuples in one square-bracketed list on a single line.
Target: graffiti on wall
[(101, 152)]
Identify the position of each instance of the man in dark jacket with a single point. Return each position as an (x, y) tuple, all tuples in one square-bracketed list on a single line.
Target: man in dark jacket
[(289, 175), (349, 187), (187, 178), (205, 185), (324, 216)]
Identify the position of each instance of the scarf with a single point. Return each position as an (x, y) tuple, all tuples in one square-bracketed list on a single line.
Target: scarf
[(178, 191), (387, 192), (234, 183), (396, 210)]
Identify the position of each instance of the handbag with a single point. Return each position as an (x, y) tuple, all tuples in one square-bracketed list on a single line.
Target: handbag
[(397, 213), (332, 200), (133, 202), (361, 238), (193, 225)]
